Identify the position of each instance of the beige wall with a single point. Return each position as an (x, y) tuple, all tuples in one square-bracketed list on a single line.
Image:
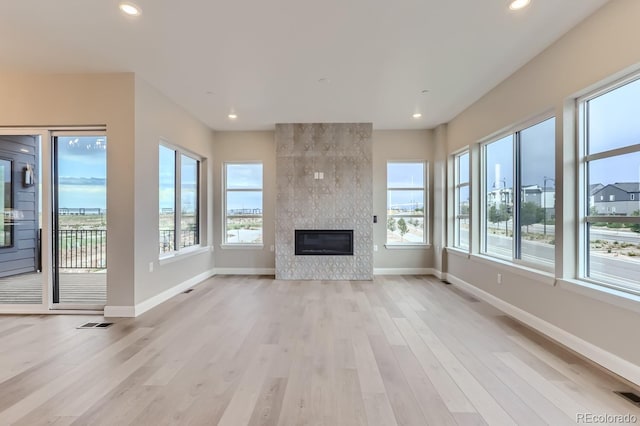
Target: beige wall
[(158, 118), (394, 145), (245, 146), (603, 46), (81, 100), (248, 146)]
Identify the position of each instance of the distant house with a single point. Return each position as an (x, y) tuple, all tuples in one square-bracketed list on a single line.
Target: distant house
[(593, 188), (532, 194), (541, 197), (620, 198), (500, 196)]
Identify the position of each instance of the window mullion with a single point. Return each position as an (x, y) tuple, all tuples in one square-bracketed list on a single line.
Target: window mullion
[(178, 204), (517, 197)]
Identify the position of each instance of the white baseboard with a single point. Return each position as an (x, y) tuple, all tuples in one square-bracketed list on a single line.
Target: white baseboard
[(245, 271), (596, 354), (119, 311), (403, 271), (152, 302), (439, 274)]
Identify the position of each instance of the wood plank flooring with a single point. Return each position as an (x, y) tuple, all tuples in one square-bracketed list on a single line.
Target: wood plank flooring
[(256, 351)]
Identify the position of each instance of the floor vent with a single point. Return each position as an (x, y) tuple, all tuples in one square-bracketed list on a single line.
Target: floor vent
[(634, 398), (96, 325), (188, 291)]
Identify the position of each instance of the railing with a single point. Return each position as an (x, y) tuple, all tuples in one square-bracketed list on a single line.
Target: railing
[(87, 248), (188, 237), (82, 248)]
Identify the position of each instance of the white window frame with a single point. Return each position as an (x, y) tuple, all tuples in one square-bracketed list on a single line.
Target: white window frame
[(514, 132), (425, 202), (225, 190), (177, 205), (456, 198), (584, 158)]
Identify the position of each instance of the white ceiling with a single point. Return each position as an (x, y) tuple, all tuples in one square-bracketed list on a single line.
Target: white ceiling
[(263, 58)]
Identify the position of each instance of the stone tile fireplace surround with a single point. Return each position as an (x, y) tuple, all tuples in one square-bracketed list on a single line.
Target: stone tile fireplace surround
[(324, 181)]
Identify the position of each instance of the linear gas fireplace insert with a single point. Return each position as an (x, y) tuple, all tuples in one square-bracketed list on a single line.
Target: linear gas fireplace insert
[(324, 242)]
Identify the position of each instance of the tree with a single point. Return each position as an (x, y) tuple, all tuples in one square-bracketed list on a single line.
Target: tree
[(499, 214), (635, 227), (530, 213), (402, 227), (391, 224)]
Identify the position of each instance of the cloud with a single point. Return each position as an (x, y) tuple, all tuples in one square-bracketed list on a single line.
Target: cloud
[(92, 181)]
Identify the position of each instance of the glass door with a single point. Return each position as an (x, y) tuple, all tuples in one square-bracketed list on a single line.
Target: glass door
[(79, 221), (21, 280)]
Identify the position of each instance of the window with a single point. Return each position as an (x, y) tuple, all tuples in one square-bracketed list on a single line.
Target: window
[(179, 200), (461, 226), (406, 202), (189, 169), (519, 196), (6, 223), (610, 133), (243, 203)]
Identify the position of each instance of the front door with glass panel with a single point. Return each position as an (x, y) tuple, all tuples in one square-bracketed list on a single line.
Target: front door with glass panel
[(80, 221)]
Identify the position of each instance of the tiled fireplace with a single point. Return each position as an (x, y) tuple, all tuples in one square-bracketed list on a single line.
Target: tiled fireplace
[(324, 179)]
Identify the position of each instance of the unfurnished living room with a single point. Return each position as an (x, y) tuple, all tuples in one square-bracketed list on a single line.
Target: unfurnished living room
[(320, 213)]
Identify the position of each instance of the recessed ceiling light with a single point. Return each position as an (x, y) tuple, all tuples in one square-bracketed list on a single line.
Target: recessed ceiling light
[(519, 4), (232, 116), (417, 115), (130, 9)]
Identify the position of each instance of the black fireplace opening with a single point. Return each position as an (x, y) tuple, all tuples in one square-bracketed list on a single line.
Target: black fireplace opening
[(324, 242)]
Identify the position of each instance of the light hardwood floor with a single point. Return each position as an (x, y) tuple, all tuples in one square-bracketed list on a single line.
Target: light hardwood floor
[(256, 351)]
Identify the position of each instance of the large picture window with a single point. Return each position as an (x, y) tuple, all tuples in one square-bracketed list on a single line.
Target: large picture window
[(243, 203), (179, 200), (406, 202), (519, 196), (462, 207), (611, 168)]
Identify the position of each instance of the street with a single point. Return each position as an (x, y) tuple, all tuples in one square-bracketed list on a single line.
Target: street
[(603, 266)]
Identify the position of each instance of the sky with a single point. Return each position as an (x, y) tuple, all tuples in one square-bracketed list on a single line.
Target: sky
[(167, 179), (613, 123), (537, 157), (82, 172), (405, 175), (244, 176)]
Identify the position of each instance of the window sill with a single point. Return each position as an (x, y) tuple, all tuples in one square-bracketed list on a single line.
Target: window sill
[(524, 271), (407, 246), (242, 246), (618, 298), (182, 254), (459, 252)]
